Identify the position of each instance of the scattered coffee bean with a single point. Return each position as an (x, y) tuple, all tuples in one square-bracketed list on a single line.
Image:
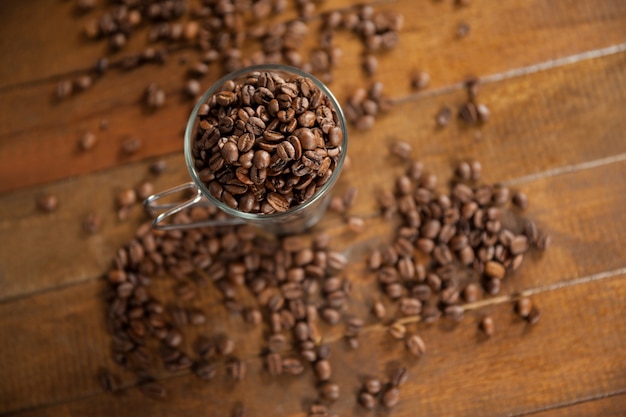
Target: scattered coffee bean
[(64, 89), (534, 315), (520, 199), (487, 325), (415, 345), (444, 116), (131, 145), (153, 389), (109, 381), (330, 391), (402, 150), (397, 330), (48, 203), (420, 80), (523, 307), (367, 400), (462, 30), (92, 222), (391, 397), (87, 141)]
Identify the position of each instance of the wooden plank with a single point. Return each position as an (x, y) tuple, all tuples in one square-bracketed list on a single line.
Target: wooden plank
[(520, 370), (528, 133), (39, 139), (53, 31), (612, 406)]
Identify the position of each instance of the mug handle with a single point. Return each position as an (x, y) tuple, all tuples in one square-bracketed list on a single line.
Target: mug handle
[(152, 206)]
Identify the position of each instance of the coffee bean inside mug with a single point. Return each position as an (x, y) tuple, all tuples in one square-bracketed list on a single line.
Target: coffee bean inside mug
[(267, 140)]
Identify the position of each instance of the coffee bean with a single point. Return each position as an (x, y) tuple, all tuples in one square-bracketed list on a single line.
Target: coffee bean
[(519, 244), (372, 385), (454, 312), (64, 89), (462, 30), (236, 369), (420, 80), (48, 203), (379, 310), (470, 293), (131, 145), (390, 397), (494, 269), (397, 330), (487, 325), (443, 117), (205, 370), (292, 366), (87, 141), (402, 150), (534, 315), (356, 224), (367, 400), (520, 199), (153, 389), (323, 370), (92, 222), (399, 376), (330, 391), (415, 345), (274, 364), (109, 381), (523, 307)]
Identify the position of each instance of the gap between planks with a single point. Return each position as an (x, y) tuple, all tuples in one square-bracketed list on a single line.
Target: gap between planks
[(558, 406)]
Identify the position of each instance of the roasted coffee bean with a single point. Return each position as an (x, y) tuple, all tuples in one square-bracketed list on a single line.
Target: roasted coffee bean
[(454, 312), (87, 141), (205, 370), (225, 346), (470, 293), (534, 315), (236, 369), (415, 345), (274, 364), (494, 269), (109, 381), (330, 391), (397, 330), (523, 307), (399, 376), (323, 370), (487, 325), (48, 203), (390, 397), (292, 366), (443, 117), (367, 400), (519, 245), (420, 80), (379, 310), (153, 389), (131, 145)]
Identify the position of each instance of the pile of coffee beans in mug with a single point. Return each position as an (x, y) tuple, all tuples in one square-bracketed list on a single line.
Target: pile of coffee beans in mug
[(267, 143)]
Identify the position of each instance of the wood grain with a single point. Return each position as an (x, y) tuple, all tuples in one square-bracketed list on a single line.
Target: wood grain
[(46, 134), (519, 370), (533, 132), (79, 325), (553, 75)]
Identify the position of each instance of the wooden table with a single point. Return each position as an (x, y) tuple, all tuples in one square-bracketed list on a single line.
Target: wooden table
[(553, 75)]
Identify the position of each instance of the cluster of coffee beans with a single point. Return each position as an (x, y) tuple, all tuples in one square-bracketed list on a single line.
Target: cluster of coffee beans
[(268, 143), (450, 246), (230, 33), (292, 280), (364, 105), (374, 390)]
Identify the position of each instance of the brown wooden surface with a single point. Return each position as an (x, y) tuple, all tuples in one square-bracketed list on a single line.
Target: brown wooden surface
[(555, 80)]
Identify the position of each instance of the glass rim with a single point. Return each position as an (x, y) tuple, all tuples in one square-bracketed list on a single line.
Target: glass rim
[(192, 122)]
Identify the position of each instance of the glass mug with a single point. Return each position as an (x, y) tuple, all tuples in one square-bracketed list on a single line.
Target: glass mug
[(296, 219)]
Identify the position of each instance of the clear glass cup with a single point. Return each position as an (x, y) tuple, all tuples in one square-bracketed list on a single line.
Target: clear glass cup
[(296, 219)]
